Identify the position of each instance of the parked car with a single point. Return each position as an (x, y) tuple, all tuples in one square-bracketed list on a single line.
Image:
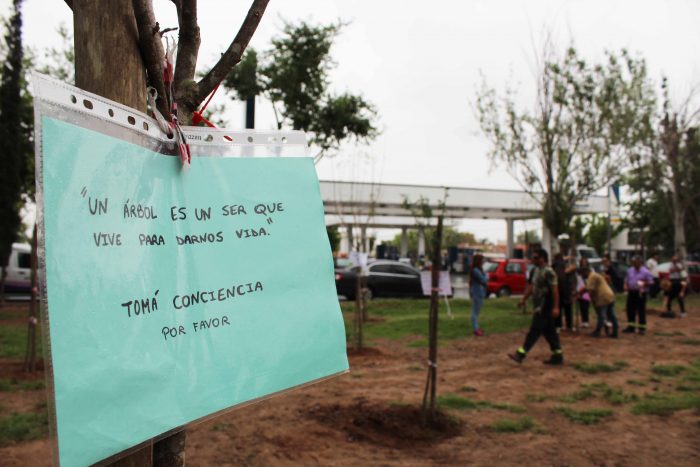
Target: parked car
[(506, 276), (585, 251), (19, 269), (693, 274), (385, 279)]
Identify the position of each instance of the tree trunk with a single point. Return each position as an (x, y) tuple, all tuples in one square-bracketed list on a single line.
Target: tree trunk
[(108, 63), (679, 244), (3, 276), (359, 314), (431, 384), (107, 56), (33, 321)]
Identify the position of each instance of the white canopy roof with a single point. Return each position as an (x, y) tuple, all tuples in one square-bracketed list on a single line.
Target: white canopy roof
[(382, 204)]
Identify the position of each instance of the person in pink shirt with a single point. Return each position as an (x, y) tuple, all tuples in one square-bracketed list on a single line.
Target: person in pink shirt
[(637, 284)]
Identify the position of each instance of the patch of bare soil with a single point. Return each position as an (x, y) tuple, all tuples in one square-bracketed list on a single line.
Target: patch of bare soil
[(14, 313), (372, 352), (370, 416), (395, 426)]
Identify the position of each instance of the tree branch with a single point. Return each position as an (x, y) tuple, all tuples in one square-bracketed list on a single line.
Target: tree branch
[(178, 6), (166, 30), (187, 47), (234, 52), (151, 50)]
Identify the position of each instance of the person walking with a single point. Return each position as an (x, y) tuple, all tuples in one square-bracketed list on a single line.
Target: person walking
[(582, 296), (653, 267), (478, 282), (566, 278), (545, 299), (603, 299), (678, 277), (637, 283)]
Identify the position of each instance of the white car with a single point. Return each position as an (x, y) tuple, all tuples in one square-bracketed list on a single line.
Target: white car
[(19, 269), (585, 251)]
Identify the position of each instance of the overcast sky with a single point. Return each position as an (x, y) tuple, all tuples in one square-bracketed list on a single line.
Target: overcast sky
[(420, 64)]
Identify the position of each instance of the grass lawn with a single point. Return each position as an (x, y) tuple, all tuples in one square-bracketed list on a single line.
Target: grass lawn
[(405, 318), (13, 341)]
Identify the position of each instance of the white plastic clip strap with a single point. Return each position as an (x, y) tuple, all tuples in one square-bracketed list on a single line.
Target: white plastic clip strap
[(162, 122)]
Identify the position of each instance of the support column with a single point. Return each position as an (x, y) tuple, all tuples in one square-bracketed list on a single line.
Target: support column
[(351, 245), (344, 241), (547, 239), (404, 242), (510, 250), (421, 242)]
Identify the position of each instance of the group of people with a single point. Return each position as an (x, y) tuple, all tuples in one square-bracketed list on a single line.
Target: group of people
[(557, 288)]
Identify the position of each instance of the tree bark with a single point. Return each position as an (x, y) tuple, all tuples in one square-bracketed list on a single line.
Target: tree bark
[(107, 56), (429, 406), (108, 63), (3, 276), (679, 243), (170, 451), (33, 321)]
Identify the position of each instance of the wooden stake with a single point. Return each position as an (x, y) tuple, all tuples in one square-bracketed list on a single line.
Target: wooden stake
[(33, 321)]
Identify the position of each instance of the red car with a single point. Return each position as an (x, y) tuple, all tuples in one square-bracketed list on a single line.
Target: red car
[(506, 276), (693, 274)]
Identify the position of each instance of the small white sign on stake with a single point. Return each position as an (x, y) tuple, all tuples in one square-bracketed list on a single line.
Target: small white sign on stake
[(444, 287)]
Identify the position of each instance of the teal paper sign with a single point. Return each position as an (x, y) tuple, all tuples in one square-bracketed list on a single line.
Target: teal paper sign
[(173, 295)]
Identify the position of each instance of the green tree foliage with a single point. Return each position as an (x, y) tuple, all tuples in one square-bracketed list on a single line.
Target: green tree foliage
[(529, 236), (450, 237), (664, 206), (333, 237), (59, 61), (596, 232), (15, 135), (294, 75), (588, 119), (243, 79)]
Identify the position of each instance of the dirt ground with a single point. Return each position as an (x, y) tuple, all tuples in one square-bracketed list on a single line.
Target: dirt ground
[(369, 416)]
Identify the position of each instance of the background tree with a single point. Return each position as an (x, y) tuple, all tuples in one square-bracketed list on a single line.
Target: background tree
[(680, 148), (664, 183), (595, 232), (333, 237), (294, 75), (527, 237), (15, 132), (586, 121), (450, 237), (424, 213), (59, 61)]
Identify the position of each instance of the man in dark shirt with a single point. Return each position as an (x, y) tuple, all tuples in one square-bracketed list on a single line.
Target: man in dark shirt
[(610, 273), (565, 269), (544, 291)]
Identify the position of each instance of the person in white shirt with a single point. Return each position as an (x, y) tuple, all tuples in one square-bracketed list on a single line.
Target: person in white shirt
[(679, 281), (653, 267)]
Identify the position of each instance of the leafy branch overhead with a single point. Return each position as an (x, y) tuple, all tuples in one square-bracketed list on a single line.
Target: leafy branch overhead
[(586, 122), (294, 75), (188, 92)]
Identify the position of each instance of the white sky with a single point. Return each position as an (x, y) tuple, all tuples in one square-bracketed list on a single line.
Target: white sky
[(420, 64)]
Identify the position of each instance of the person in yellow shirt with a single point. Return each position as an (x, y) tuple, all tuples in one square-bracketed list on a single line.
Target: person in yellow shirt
[(603, 299)]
